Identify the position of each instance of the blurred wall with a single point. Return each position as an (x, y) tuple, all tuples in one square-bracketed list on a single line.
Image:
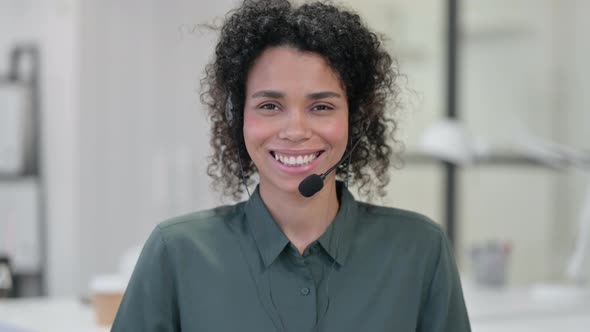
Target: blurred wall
[(53, 26), (506, 86), (145, 138), (520, 71), (572, 78)]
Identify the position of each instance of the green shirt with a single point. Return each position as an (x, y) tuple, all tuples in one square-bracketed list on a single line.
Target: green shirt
[(233, 269)]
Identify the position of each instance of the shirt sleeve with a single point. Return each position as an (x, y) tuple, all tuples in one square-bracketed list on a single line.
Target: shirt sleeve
[(444, 309), (150, 303)]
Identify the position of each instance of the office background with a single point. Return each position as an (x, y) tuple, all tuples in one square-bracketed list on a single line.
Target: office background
[(125, 138)]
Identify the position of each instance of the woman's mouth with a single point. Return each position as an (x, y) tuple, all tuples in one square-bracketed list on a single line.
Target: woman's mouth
[(295, 160)]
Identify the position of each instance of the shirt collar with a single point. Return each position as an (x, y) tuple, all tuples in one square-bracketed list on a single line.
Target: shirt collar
[(269, 237), (337, 239), (271, 240)]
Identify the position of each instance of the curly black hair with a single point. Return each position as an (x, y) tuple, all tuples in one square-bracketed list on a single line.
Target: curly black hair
[(354, 52)]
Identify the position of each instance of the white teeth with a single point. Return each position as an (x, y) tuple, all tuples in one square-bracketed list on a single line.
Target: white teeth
[(295, 161)]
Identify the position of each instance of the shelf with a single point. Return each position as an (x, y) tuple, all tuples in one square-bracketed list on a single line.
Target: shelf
[(17, 178), (497, 159)]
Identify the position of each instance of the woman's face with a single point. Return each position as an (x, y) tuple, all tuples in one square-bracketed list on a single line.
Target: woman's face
[(295, 117)]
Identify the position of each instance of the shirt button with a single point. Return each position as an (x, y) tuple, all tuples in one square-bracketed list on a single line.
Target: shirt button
[(304, 291)]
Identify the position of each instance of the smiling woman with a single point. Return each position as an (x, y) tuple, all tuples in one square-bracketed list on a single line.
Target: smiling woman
[(293, 92)]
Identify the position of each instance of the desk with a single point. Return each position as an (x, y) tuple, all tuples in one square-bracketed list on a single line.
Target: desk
[(509, 310), (565, 323), (47, 315), (517, 310)]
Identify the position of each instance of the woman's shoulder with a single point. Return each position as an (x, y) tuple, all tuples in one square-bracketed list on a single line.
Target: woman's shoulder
[(396, 219), (201, 223)]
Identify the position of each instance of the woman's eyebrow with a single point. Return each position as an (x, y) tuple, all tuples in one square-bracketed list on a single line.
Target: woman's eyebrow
[(268, 94), (323, 94), (278, 95)]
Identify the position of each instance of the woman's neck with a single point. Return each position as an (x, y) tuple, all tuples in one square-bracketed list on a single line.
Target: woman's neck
[(302, 219)]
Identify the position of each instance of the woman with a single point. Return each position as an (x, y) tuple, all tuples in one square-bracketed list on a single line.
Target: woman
[(294, 91)]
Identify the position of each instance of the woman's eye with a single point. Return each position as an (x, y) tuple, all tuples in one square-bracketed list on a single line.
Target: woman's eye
[(322, 108), (270, 107)]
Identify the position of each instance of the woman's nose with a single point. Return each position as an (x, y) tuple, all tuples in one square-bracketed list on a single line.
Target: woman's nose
[(296, 126)]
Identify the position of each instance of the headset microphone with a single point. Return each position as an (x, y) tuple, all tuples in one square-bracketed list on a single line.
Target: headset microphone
[(314, 182)]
